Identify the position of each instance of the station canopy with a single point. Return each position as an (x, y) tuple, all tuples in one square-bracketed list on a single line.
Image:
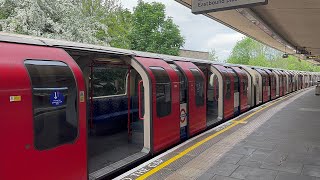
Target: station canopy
[(291, 26)]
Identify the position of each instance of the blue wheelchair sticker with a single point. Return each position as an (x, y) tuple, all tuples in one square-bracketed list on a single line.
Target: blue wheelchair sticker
[(56, 98)]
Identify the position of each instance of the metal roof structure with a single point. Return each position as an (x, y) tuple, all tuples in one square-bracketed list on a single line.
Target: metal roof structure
[(290, 26)]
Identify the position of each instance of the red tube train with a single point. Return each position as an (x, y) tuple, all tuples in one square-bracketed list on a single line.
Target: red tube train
[(79, 111)]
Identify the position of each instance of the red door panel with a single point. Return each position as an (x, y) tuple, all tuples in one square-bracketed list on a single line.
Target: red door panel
[(165, 129), (280, 83), (197, 114), (243, 88), (228, 94), (265, 85), (272, 83), (21, 159), (284, 84)]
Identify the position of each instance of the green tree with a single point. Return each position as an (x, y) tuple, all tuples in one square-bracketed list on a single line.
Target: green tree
[(242, 52), (6, 8), (119, 25), (152, 31), (59, 19), (250, 52), (112, 15)]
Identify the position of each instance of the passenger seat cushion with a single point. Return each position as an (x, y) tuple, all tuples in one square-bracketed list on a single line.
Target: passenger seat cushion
[(110, 113)]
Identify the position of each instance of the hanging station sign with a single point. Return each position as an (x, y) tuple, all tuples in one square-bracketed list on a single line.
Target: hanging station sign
[(206, 6)]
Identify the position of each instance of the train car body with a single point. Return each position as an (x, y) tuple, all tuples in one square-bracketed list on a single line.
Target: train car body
[(88, 112), (46, 86)]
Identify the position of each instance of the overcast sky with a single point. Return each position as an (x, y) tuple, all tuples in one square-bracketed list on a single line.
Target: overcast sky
[(200, 32)]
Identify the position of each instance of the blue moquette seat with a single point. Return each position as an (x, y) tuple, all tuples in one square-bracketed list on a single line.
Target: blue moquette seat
[(110, 113)]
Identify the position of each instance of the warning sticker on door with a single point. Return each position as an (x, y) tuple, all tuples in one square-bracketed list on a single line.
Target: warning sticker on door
[(183, 115), (56, 98)]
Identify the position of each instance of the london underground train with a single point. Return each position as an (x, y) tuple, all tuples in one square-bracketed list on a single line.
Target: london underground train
[(80, 111)]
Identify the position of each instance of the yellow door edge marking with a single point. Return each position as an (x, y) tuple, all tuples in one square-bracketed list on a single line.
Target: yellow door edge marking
[(189, 149)]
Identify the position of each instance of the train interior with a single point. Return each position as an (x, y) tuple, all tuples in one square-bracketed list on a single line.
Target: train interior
[(212, 98), (236, 91), (213, 88), (115, 126)]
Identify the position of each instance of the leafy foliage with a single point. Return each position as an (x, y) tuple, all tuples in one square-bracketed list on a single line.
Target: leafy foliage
[(102, 22), (119, 28), (250, 52), (152, 31), (59, 19)]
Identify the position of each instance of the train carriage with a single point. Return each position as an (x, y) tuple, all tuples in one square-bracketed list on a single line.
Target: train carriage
[(89, 111)]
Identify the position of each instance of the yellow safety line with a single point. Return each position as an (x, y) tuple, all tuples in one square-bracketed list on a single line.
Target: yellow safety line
[(186, 151)]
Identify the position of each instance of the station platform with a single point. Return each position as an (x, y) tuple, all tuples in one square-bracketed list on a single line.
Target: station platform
[(279, 140)]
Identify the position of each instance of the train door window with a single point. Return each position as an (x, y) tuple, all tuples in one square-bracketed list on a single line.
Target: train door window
[(236, 83), (163, 91), (245, 87), (264, 82), (183, 85), (228, 87), (199, 83), (54, 98)]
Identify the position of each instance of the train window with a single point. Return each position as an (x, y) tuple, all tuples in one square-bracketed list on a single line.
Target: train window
[(199, 83), (163, 91), (54, 103), (108, 81), (274, 82), (183, 85), (236, 83), (244, 86), (228, 87)]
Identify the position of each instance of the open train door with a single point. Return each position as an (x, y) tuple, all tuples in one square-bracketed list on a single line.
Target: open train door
[(43, 113), (265, 86), (165, 106), (272, 83), (196, 97), (243, 88), (226, 91)]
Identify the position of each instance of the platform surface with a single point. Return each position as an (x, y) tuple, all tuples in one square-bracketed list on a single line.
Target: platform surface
[(280, 140)]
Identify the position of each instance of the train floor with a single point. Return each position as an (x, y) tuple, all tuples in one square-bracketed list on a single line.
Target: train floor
[(109, 149), (279, 140)]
